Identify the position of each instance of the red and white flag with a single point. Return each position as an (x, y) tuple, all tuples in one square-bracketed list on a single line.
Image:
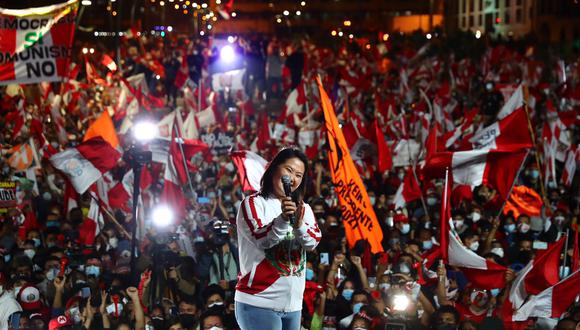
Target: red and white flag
[(511, 132), (296, 100), (36, 43), (251, 168), (408, 191), (107, 61), (174, 177), (538, 275), (516, 101), (572, 159), (497, 168), (86, 163), (385, 161), (552, 302), (91, 226)]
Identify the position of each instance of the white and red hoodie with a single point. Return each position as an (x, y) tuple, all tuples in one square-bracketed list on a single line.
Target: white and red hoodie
[(267, 279)]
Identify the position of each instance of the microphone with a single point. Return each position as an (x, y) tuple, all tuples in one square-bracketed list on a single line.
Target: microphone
[(287, 183)]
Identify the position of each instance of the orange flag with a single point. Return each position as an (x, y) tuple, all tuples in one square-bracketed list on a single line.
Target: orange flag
[(104, 128), (523, 200), (21, 158), (358, 216)]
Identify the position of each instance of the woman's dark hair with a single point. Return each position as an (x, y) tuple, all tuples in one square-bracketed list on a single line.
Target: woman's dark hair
[(267, 186)]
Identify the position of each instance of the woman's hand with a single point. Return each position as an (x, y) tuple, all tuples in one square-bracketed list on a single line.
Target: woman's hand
[(289, 208)]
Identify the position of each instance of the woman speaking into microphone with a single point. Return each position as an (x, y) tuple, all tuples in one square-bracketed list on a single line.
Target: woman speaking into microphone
[(274, 233)]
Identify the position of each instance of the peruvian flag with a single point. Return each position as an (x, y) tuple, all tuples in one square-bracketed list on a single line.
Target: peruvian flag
[(121, 193), (552, 302), (36, 43), (175, 177), (86, 163), (296, 100), (91, 226), (538, 275), (516, 101), (251, 168), (408, 191), (107, 61), (572, 158), (510, 132), (495, 167), (71, 197)]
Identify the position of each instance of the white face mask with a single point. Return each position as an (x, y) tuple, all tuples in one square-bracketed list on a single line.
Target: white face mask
[(405, 228), (30, 253), (75, 314), (113, 242), (475, 216), (51, 274), (458, 224), (498, 251), (217, 303), (474, 246), (384, 286), (524, 228), (389, 221), (216, 328)]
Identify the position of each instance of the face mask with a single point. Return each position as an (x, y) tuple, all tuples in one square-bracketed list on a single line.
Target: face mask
[(498, 251), (384, 286), (7, 258), (431, 201), (389, 221), (92, 270), (524, 228), (30, 253), (309, 274), (452, 293), (51, 274), (50, 244), (150, 327), (535, 174), (216, 328), (46, 196), (494, 292), (509, 228), (187, 320), (373, 200), (564, 271), (217, 303), (475, 216), (37, 242), (474, 246), (446, 326), (401, 175), (559, 219), (393, 242), (347, 294), (17, 290), (458, 223), (427, 245), (52, 224), (75, 314), (405, 228), (356, 307), (113, 242)]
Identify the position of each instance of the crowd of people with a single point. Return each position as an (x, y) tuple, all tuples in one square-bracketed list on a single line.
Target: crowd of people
[(185, 276)]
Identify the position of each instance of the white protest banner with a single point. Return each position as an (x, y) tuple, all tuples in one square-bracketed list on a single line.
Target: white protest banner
[(231, 79), (35, 43)]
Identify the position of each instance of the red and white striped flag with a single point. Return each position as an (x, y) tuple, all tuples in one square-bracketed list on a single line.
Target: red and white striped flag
[(495, 167), (36, 43), (516, 101), (91, 226), (86, 163), (538, 275), (511, 132), (251, 168), (107, 61), (552, 302), (572, 159), (408, 191)]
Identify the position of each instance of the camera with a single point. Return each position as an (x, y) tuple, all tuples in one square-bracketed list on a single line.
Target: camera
[(220, 230)]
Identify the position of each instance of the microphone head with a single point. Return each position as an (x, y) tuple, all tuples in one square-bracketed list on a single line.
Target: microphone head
[(286, 180)]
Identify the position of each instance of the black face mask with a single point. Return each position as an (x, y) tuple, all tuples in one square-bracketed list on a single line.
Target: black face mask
[(187, 320), (446, 326), (158, 324)]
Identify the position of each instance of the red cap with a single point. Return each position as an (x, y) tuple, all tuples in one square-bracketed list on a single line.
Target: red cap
[(29, 298), (59, 322)]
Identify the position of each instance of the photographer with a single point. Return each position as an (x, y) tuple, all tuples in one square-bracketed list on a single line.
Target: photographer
[(224, 266)]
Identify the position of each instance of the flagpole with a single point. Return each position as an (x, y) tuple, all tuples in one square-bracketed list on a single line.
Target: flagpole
[(560, 272), (444, 236), (513, 184), (533, 136), (112, 218), (183, 155)]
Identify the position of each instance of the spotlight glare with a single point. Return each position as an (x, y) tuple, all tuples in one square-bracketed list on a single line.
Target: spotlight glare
[(298, 13), (162, 216), (477, 34), (303, 3), (169, 28), (231, 39), (400, 302), (204, 5), (144, 131), (286, 13), (234, 14), (278, 20), (429, 36), (227, 53), (201, 33), (85, 50), (92, 50), (340, 34)]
